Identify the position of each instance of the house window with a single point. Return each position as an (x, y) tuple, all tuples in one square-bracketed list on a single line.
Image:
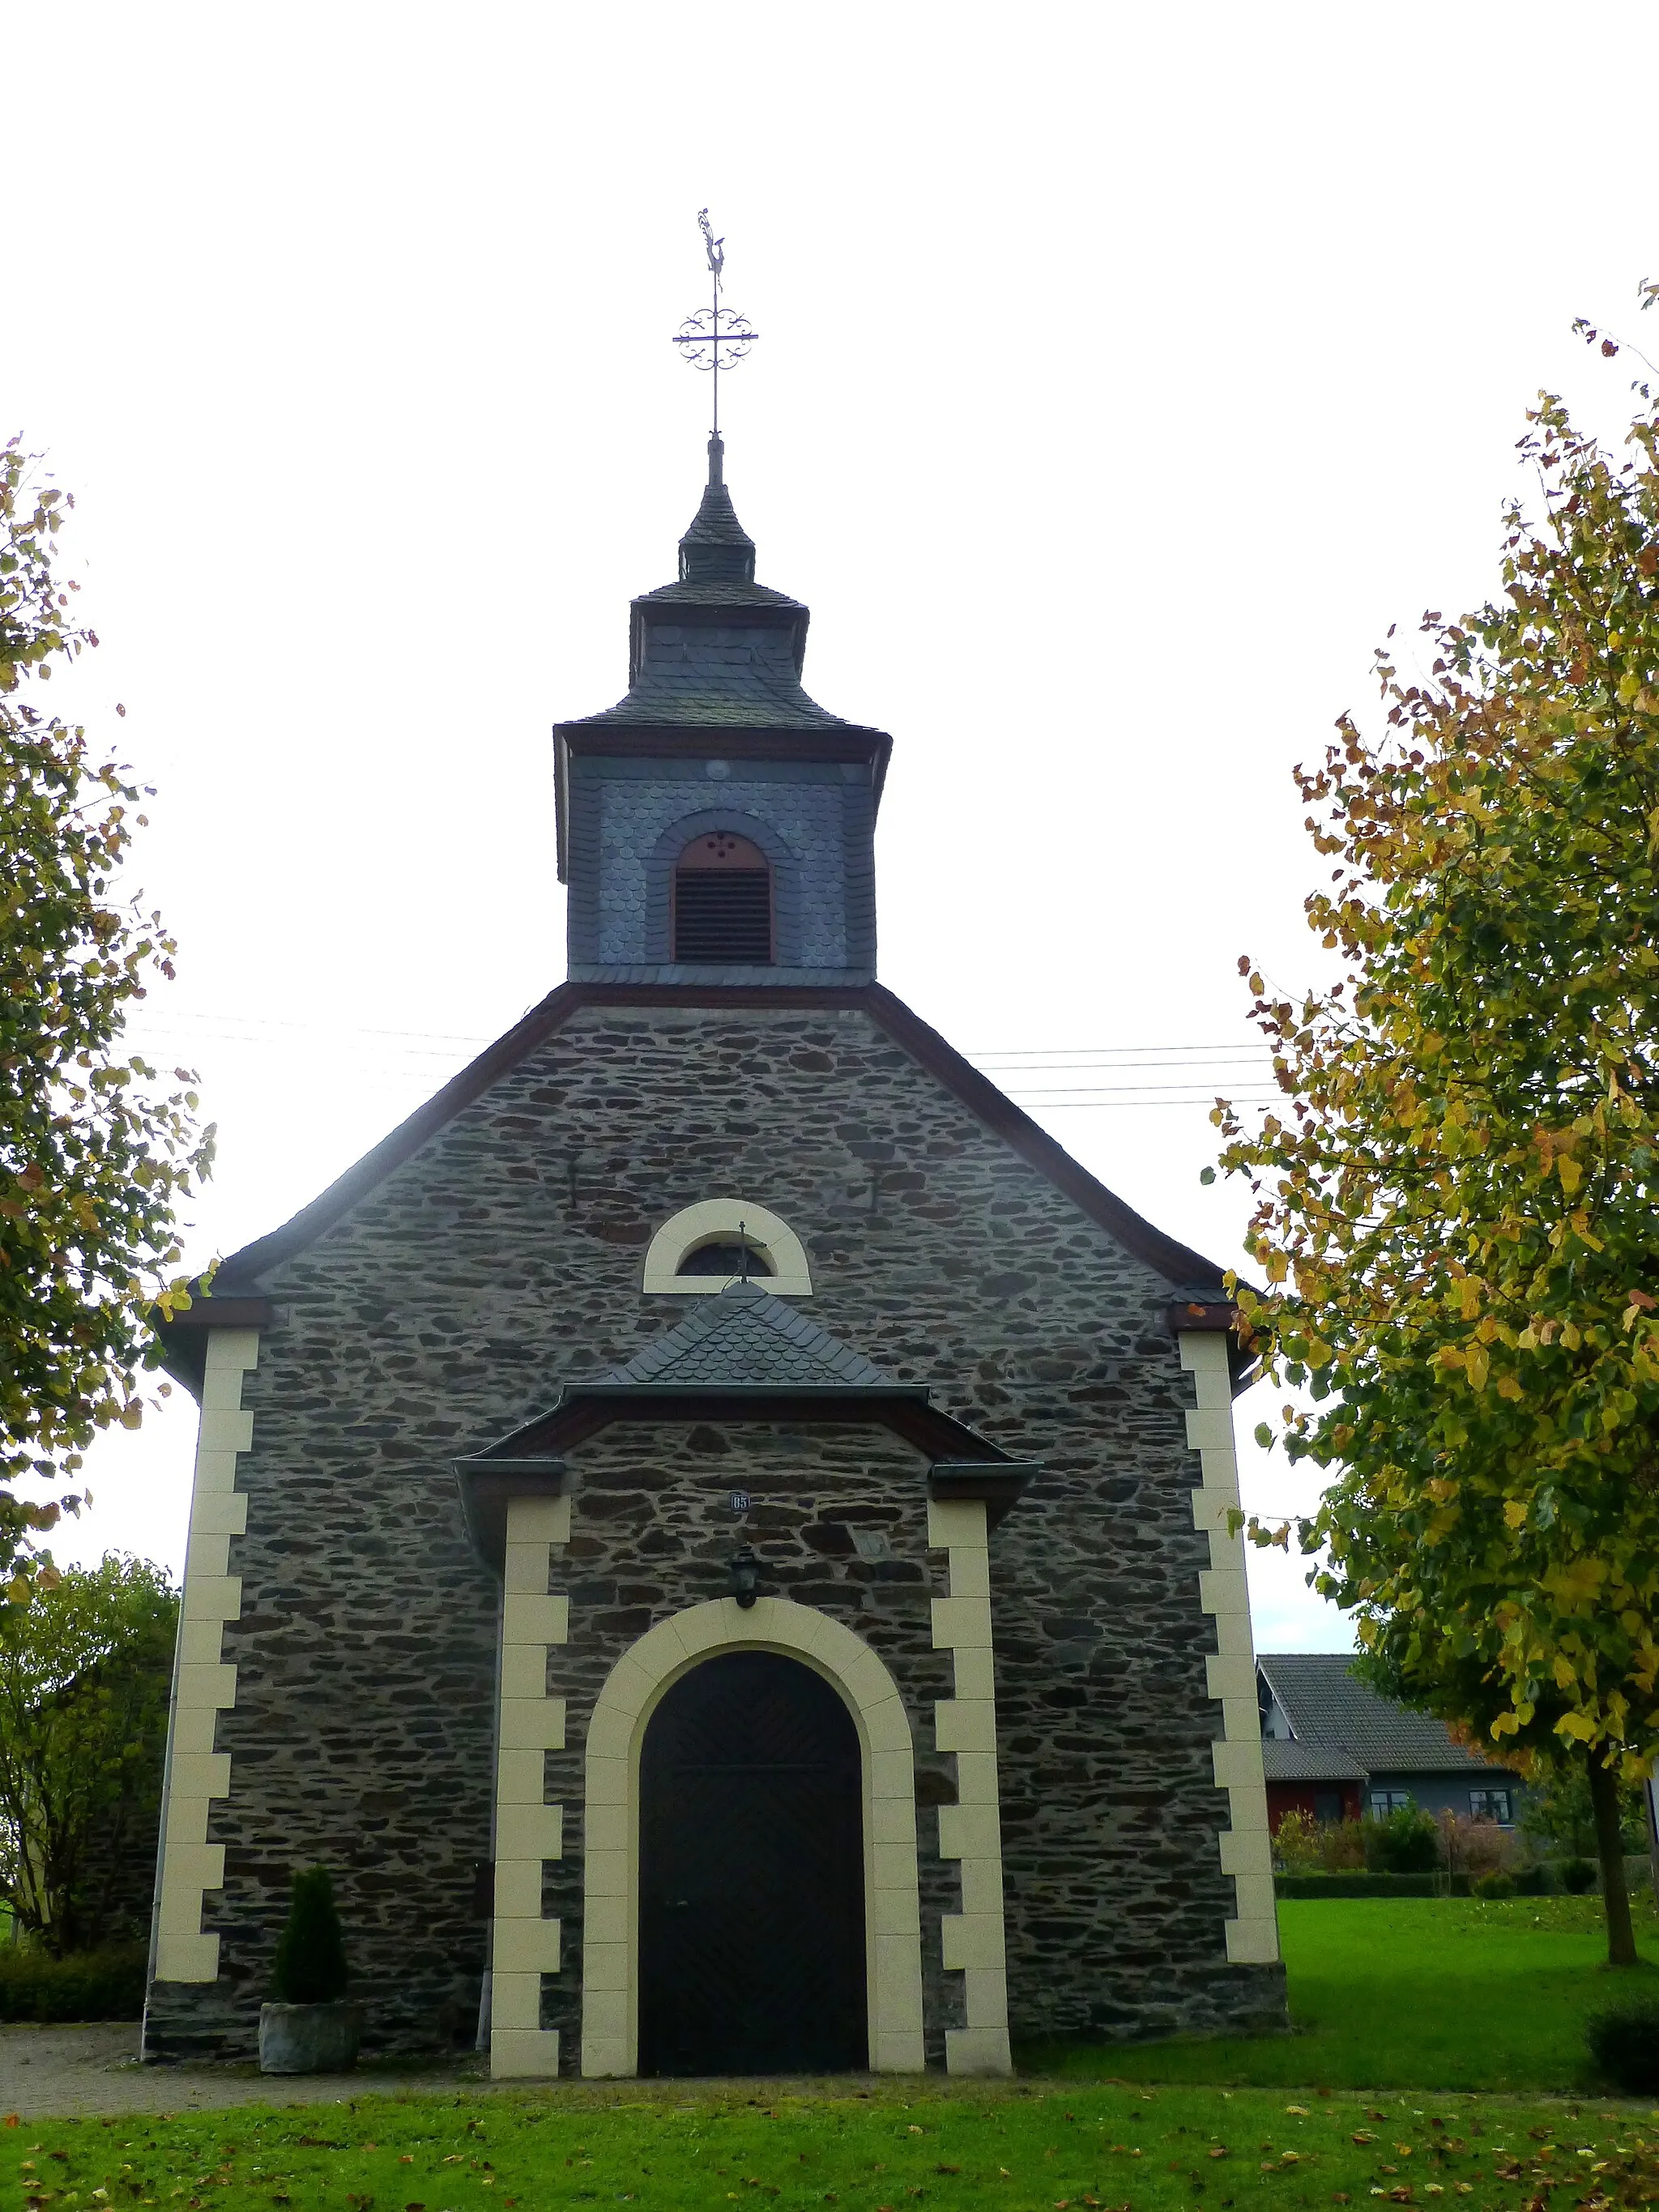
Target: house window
[(1384, 1801), (723, 902), (1491, 1805)]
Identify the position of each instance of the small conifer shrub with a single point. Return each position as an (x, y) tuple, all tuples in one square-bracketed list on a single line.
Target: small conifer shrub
[(1495, 1885), (1577, 1877), (1624, 2041), (311, 1962)]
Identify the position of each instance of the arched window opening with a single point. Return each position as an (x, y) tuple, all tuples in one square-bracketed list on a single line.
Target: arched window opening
[(700, 1250), (723, 902), (726, 1255)]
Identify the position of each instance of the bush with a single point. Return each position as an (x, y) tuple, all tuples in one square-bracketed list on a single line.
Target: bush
[(86, 1986), (1297, 1843), (1342, 1846), (1624, 2041), (310, 1966), (1577, 1877), (1475, 1847), (1407, 1841), (1495, 1885), (1536, 1881)]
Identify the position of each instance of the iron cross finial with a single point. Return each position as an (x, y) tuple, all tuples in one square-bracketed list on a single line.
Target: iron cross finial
[(714, 337)]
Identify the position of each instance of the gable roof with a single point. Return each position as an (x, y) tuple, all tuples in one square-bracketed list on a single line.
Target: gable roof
[(1327, 1705), (745, 1338), (1199, 1297), (743, 1357)]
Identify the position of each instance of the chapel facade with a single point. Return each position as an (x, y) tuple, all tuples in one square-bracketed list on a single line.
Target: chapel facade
[(715, 1531)]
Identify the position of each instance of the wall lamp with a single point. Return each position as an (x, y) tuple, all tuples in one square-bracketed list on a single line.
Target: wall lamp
[(746, 1575)]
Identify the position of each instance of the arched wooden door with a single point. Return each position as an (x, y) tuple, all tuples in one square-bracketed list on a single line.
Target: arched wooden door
[(752, 1875)]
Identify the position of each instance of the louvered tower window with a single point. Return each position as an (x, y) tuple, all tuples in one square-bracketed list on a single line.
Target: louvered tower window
[(723, 902)]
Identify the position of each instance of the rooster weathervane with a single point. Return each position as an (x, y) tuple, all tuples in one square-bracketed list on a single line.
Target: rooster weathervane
[(716, 337)]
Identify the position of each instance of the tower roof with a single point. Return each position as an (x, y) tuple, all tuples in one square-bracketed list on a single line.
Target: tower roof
[(715, 649), (717, 549)]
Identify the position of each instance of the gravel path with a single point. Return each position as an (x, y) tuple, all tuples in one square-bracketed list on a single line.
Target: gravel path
[(94, 2070)]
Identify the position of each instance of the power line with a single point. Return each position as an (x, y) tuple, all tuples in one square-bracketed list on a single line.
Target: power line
[(395, 1054)]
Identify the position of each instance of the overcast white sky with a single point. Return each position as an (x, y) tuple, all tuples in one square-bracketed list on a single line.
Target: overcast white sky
[(1125, 372)]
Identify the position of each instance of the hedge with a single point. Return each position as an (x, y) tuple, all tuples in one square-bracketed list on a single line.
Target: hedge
[(1359, 1885), (87, 1985)]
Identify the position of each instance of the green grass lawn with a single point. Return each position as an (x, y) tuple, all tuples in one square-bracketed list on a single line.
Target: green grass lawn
[(1031, 2149), (1448, 1993), (1426, 2029)]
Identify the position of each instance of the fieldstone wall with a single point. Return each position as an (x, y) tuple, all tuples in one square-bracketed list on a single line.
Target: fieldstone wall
[(504, 1259)]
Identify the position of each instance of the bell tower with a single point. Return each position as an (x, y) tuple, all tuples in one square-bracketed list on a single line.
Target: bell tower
[(717, 825)]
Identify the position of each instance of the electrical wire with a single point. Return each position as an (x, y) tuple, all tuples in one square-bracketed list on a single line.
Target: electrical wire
[(1160, 1075)]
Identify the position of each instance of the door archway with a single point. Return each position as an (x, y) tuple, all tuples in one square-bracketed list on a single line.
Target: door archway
[(751, 1869)]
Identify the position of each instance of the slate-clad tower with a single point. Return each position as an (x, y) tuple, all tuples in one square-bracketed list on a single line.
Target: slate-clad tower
[(716, 1530), (716, 736)]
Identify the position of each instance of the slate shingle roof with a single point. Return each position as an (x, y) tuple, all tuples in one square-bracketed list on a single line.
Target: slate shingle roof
[(741, 672), (1288, 1761), (744, 1337), (1328, 1706), (733, 675)]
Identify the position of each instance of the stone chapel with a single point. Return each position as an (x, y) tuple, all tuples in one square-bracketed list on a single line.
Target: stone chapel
[(716, 1530)]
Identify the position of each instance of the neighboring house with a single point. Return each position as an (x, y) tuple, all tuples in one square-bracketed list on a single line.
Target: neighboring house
[(1334, 1748)]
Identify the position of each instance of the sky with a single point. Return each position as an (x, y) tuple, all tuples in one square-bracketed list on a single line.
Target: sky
[(1123, 374)]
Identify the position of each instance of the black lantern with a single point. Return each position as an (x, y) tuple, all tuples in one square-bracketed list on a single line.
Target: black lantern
[(746, 1575)]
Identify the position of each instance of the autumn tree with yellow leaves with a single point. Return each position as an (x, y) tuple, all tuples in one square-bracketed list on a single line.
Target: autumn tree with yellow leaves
[(95, 1147), (1457, 1225)]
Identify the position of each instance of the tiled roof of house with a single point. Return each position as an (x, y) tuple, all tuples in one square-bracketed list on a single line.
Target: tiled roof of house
[(1282, 1760), (744, 1338), (1326, 1704)]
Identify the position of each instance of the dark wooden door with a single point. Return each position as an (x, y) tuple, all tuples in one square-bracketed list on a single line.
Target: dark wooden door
[(752, 1875)]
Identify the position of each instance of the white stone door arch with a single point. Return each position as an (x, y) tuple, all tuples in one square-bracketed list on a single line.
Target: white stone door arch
[(610, 1862)]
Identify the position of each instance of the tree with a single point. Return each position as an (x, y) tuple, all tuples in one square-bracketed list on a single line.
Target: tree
[(92, 1155), (1455, 1208), (86, 1670)]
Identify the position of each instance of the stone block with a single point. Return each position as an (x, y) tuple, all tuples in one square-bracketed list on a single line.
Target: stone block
[(526, 1948), (976, 1778), (972, 1940), (974, 1677), (533, 1620), (524, 2054), (969, 1832), (190, 1957), (1253, 1942), (985, 1989), (533, 1724), (518, 1891), (962, 1623), (953, 1522), (978, 2052), (965, 1724), (529, 1832)]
